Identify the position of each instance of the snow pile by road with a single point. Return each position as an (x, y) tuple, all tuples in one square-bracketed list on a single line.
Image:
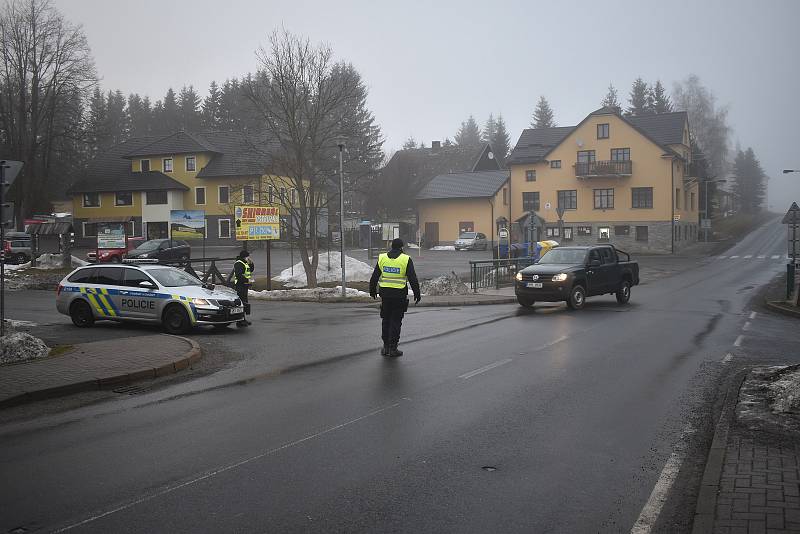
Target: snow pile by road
[(357, 271), (20, 346), (443, 247), (49, 261), (316, 294), (19, 267), (77, 262), (785, 391), (449, 284)]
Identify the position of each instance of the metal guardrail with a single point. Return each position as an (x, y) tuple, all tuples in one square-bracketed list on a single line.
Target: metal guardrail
[(495, 273), (212, 272)]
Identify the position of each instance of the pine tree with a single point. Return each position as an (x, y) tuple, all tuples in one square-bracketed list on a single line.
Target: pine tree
[(170, 120), (211, 118), (661, 101), (501, 143), (469, 135), (543, 115), (410, 143), (489, 130), (229, 103), (640, 99), (96, 136), (189, 109), (137, 117), (117, 125), (611, 99), (749, 181)]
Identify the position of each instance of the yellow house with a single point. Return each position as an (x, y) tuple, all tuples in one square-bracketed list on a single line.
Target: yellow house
[(141, 180), (623, 180)]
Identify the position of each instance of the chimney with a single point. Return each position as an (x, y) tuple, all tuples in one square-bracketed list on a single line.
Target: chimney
[(436, 146)]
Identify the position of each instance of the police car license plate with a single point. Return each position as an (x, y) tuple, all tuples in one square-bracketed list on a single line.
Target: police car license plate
[(237, 310), (536, 285)]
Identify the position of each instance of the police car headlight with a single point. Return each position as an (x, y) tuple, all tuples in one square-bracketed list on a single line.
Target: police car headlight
[(204, 302), (560, 277), (519, 276)]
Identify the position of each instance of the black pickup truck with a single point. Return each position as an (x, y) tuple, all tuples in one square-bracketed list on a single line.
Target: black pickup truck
[(573, 273)]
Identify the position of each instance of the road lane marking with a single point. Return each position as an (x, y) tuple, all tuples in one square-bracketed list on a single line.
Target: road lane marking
[(753, 315), (748, 256), (218, 471), (721, 257), (746, 326), (738, 342), (761, 256), (652, 508), (776, 256), (727, 359), (467, 376), (734, 257)]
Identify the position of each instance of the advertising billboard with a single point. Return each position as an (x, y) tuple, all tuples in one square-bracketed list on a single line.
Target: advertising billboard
[(111, 235), (187, 224), (257, 223)]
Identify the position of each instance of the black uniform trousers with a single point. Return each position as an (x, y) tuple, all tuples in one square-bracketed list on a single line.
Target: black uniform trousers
[(241, 290), (392, 311)]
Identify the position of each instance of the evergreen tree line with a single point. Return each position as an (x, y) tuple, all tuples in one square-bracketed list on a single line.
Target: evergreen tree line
[(472, 137)]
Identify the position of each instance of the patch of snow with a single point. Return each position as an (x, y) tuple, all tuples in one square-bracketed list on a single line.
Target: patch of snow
[(412, 245), (444, 247), (49, 261), (318, 293), (18, 267), (19, 346), (77, 262), (449, 284), (357, 271), (785, 390)]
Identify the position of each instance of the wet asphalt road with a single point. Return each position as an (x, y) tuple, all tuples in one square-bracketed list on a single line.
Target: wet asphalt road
[(542, 421)]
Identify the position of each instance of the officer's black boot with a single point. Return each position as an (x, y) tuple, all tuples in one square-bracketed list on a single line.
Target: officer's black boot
[(394, 352), (385, 350)]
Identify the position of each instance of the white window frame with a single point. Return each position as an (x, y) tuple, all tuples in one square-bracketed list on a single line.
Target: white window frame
[(171, 164), (219, 194), (186, 163), (83, 229), (205, 196), (116, 205), (149, 163), (99, 200), (219, 228)]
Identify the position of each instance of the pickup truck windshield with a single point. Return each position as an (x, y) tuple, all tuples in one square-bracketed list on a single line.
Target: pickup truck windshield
[(562, 255)]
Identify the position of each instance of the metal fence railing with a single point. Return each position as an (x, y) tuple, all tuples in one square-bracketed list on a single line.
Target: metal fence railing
[(495, 273)]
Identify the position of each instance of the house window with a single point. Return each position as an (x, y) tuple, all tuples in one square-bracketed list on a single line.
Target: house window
[(91, 200), (466, 226), (191, 163), (642, 197), (602, 131), (552, 231), (283, 195), (530, 175), (603, 233), (132, 229), (586, 156), (622, 230), (224, 228), (567, 233), (678, 199), (224, 194), (641, 233), (247, 194), (145, 165), (156, 197), (167, 165), (199, 195), (620, 154), (568, 200), (270, 195), (555, 164), (585, 230), (692, 208), (89, 229), (123, 199), (603, 199), (530, 201), (505, 196)]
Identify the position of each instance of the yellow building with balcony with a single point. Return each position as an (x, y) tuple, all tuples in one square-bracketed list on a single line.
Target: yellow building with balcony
[(622, 180)]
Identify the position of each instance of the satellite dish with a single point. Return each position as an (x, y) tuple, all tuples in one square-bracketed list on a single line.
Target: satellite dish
[(490, 155), (580, 143)]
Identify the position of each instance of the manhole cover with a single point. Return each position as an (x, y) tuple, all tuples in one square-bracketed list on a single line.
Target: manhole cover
[(489, 468)]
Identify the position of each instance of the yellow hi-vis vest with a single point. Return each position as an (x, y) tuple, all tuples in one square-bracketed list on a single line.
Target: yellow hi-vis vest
[(246, 272), (393, 271)]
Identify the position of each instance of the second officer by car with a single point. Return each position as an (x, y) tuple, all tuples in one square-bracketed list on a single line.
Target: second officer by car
[(242, 280)]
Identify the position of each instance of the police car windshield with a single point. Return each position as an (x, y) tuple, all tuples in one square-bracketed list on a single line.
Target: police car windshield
[(564, 255), (170, 277)]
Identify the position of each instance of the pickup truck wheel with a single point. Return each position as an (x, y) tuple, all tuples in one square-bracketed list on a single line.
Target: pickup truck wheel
[(525, 303), (20, 258), (81, 314), (577, 298), (624, 292)]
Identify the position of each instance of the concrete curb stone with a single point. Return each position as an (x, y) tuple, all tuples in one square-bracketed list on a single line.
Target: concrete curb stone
[(782, 308)]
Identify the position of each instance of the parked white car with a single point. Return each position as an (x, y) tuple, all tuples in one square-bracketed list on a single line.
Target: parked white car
[(471, 241)]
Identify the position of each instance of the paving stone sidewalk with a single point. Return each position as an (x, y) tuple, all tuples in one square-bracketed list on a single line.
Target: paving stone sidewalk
[(96, 365)]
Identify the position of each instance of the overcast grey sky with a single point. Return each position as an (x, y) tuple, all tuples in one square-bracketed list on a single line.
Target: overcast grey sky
[(429, 65)]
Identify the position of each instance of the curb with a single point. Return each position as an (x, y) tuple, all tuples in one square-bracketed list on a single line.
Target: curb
[(709, 486), (779, 307), (467, 302), (186, 360)]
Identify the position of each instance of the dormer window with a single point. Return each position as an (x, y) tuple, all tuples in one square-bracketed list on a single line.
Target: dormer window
[(167, 165), (145, 165), (191, 164)]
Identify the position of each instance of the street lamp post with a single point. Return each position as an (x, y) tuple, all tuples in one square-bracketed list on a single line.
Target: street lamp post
[(340, 143), (705, 229)]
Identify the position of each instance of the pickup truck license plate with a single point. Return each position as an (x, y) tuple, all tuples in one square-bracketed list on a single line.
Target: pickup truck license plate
[(236, 311), (536, 285)]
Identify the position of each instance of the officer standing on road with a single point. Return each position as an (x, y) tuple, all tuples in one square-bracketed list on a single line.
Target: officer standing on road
[(242, 280), (391, 273)]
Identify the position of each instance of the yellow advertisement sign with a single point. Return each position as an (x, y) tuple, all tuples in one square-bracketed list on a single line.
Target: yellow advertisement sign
[(257, 223)]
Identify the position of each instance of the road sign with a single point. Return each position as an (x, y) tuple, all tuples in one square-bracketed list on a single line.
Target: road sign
[(257, 223), (503, 233), (792, 215), (705, 223), (547, 205), (187, 224), (676, 217)]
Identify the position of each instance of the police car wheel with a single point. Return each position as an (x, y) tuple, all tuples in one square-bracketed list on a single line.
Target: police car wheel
[(176, 321), (81, 314)]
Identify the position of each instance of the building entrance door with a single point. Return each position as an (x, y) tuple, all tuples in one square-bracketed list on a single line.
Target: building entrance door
[(431, 234)]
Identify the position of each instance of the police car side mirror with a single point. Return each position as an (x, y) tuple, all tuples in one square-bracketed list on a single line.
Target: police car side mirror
[(147, 285)]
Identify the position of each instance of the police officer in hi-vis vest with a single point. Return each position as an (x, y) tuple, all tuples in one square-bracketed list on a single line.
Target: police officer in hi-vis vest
[(242, 280), (389, 278)]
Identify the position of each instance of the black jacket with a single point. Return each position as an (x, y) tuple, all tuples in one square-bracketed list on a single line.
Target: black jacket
[(391, 292)]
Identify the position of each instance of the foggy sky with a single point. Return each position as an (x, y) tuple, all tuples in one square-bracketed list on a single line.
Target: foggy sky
[(429, 65)]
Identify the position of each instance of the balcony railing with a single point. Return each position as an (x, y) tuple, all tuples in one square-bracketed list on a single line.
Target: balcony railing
[(603, 168)]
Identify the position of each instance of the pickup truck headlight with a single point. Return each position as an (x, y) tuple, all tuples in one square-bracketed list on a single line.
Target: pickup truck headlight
[(519, 276), (560, 277)]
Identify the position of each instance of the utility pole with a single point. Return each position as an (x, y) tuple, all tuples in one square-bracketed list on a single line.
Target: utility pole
[(340, 143)]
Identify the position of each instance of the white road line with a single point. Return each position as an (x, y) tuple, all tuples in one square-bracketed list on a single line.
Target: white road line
[(761, 256), (753, 315), (734, 257), (748, 256), (738, 342), (467, 376), (721, 257), (652, 508), (776, 256), (220, 470), (746, 326), (727, 359), (15, 322)]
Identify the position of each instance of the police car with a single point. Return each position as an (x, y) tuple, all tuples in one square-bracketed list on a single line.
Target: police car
[(146, 292)]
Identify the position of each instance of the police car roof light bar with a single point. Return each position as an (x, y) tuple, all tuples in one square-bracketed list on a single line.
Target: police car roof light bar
[(141, 260)]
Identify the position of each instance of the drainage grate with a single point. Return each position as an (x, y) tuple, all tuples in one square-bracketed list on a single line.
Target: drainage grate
[(131, 390)]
